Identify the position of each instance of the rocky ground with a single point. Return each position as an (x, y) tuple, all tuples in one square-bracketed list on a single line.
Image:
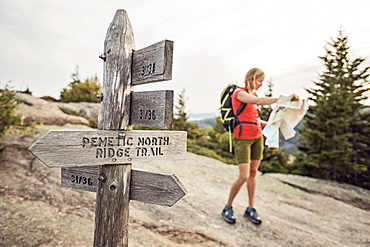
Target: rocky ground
[(296, 211)]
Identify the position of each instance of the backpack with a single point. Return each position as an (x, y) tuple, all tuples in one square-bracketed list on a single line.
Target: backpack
[(228, 118)]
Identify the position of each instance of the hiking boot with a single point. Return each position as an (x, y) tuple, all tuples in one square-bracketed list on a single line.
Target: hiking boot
[(228, 214), (252, 215)]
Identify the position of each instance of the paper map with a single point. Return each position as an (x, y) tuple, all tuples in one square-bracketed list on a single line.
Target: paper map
[(285, 117)]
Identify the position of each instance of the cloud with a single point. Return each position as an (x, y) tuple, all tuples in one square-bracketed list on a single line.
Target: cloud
[(215, 42)]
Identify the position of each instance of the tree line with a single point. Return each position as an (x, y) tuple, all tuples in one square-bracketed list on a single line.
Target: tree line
[(334, 140)]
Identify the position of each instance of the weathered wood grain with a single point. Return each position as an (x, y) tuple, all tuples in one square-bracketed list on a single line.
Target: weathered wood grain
[(156, 187), (108, 153), (153, 63), (119, 44), (152, 109), (146, 186), (83, 178), (112, 197), (70, 148), (112, 206)]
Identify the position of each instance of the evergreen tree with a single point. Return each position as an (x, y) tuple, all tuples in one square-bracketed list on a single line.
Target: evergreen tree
[(181, 107), (180, 113), (334, 123), (266, 110), (360, 175)]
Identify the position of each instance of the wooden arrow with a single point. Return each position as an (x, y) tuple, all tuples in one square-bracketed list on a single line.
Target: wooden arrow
[(146, 186), (87, 148), (153, 63)]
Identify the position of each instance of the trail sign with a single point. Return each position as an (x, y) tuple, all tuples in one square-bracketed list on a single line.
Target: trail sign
[(87, 148), (83, 178), (153, 63), (101, 160), (152, 109), (146, 186)]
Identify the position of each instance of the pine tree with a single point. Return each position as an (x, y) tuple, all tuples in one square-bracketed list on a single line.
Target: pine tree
[(182, 118), (266, 110), (361, 151), (334, 123)]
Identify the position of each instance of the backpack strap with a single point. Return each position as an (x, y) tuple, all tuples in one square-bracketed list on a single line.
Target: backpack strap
[(241, 126), (238, 112), (241, 109)]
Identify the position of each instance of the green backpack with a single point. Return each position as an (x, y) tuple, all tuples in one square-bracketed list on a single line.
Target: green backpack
[(228, 118)]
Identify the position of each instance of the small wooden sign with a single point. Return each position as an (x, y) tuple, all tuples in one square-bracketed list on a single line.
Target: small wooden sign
[(146, 186), (153, 63), (92, 148), (152, 109), (83, 178)]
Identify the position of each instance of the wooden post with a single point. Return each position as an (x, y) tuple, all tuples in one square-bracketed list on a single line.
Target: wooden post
[(112, 198), (114, 146)]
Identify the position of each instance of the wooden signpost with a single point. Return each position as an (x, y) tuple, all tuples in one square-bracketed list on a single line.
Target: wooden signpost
[(146, 186), (152, 109), (101, 161), (153, 63), (86, 148)]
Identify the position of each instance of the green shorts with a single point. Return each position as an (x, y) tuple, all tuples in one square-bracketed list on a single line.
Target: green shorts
[(248, 149)]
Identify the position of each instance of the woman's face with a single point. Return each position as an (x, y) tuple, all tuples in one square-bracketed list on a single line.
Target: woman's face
[(257, 83)]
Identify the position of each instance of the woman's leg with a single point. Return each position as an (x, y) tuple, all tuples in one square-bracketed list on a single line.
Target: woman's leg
[(244, 170), (252, 180)]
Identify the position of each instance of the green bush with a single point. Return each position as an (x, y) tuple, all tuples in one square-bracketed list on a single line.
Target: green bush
[(8, 104), (81, 91)]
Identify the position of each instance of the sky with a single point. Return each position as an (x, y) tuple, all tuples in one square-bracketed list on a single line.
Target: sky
[(215, 42)]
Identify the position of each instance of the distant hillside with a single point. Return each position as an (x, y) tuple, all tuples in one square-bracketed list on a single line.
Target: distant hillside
[(209, 119), (203, 119), (290, 145), (205, 122), (201, 116)]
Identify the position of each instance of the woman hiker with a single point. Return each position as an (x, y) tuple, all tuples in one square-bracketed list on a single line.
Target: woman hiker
[(248, 142)]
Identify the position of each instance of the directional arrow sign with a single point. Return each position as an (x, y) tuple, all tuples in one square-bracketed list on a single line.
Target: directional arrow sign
[(87, 148), (152, 109), (146, 186), (83, 178), (153, 63), (156, 187)]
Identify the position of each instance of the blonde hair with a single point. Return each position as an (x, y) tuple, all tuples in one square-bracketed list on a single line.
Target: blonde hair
[(250, 78)]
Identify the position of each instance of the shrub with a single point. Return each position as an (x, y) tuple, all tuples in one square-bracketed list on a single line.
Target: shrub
[(81, 91), (8, 104)]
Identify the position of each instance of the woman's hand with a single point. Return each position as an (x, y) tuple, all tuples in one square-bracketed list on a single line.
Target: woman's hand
[(294, 97)]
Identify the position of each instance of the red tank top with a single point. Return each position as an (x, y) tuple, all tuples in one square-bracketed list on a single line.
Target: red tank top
[(251, 128)]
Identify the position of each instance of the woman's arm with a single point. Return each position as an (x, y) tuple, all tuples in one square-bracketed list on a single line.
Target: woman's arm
[(245, 97)]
